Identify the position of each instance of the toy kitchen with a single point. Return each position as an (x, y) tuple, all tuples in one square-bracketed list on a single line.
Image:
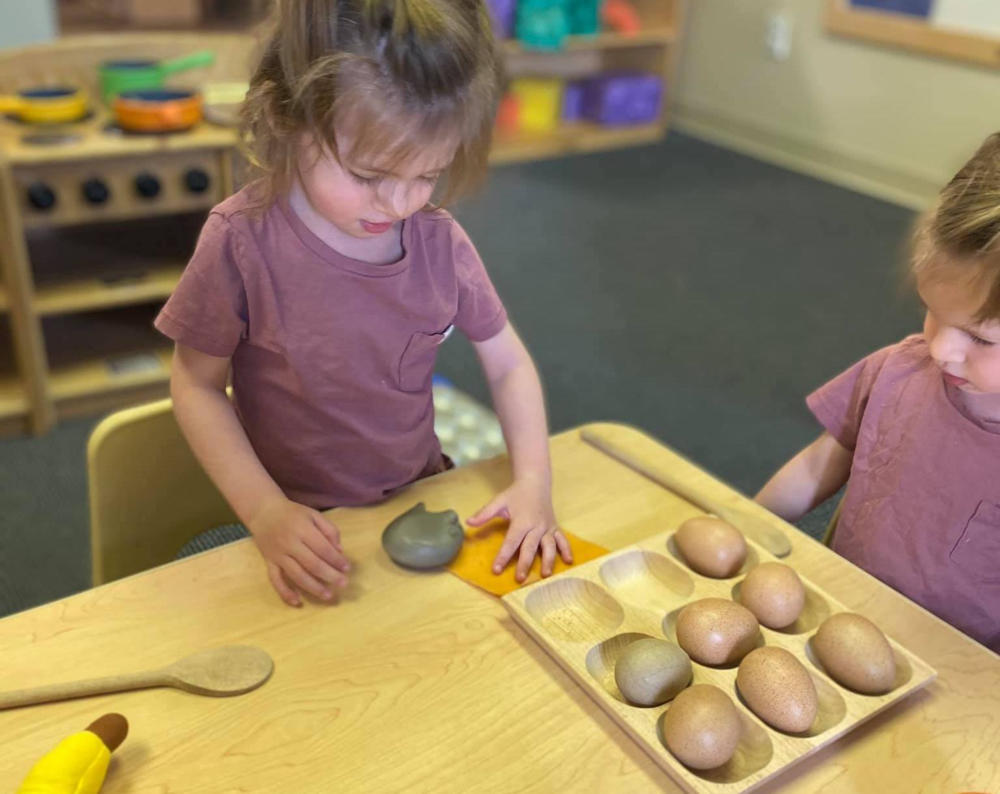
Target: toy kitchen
[(112, 150)]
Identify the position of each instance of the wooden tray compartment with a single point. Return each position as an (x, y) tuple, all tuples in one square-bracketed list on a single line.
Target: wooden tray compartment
[(584, 618)]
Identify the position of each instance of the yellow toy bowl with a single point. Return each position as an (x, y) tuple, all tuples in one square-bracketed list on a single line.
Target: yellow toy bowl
[(49, 105)]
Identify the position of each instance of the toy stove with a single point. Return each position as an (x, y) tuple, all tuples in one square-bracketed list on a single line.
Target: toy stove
[(94, 171)]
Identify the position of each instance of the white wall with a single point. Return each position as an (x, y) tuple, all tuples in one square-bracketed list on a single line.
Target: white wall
[(881, 120), (26, 21)]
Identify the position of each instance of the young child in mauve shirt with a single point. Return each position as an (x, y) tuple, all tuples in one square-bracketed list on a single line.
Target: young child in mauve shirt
[(327, 286), (914, 428)]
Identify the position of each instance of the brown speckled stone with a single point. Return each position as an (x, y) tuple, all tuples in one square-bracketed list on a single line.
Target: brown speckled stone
[(702, 727), (855, 653), (717, 631), (778, 689)]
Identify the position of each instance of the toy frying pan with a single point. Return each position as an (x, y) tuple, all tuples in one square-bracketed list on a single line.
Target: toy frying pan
[(46, 105), (140, 74), (159, 110)]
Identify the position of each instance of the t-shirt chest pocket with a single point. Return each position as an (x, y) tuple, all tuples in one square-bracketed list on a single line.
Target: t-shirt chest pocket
[(416, 365), (977, 551)]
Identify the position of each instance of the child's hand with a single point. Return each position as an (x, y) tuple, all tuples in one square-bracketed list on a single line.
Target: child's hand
[(302, 551), (527, 504)]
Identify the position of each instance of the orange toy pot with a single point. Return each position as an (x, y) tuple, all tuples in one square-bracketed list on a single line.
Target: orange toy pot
[(158, 110)]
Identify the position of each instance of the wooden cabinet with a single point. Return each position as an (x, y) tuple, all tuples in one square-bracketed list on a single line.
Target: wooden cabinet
[(82, 278)]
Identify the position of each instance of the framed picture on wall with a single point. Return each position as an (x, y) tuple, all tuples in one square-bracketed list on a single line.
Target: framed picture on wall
[(967, 30)]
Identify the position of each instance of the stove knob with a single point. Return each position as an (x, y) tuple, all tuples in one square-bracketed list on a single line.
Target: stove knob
[(197, 180), (147, 185), (95, 191), (41, 196)]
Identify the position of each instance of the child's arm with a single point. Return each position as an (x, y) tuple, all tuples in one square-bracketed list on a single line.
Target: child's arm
[(527, 503), (301, 548), (811, 477)]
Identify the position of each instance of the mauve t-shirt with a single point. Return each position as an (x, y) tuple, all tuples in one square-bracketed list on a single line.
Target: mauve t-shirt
[(922, 508), (332, 358)]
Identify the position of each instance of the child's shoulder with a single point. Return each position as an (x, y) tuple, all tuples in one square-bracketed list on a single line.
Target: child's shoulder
[(903, 358), (435, 214), (436, 221), (889, 368), (247, 223), (440, 229), (246, 208), (885, 368)]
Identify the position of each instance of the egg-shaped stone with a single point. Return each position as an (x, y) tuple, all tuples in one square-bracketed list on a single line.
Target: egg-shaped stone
[(774, 593), (711, 546), (716, 631), (650, 672), (778, 689), (855, 653), (702, 727)]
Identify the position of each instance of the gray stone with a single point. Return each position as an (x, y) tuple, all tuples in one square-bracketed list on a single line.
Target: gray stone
[(420, 539)]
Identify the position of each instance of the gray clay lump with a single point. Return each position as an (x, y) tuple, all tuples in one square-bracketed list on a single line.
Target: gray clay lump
[(420, 539)]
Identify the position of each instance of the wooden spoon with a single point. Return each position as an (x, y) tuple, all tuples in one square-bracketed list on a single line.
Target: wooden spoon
[(752, 519), (221, 672)]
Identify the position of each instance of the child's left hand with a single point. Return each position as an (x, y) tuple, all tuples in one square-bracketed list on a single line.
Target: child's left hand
[(527, 504)]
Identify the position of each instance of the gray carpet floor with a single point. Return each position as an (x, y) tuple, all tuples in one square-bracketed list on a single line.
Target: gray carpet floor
[(682, 288)]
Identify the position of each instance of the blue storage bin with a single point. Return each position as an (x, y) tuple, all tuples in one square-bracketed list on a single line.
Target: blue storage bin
[(917, 8)]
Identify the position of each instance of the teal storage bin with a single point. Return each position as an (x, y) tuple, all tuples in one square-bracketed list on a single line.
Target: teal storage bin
[(543, 24), (584, 17)]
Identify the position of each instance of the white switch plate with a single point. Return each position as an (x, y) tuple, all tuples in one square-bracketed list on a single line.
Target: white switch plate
[(778, 36)]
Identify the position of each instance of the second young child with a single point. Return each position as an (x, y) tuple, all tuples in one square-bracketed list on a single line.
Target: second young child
[(914, 428)]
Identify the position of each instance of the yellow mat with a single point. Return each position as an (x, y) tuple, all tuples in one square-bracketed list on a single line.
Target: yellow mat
[(474, 562)]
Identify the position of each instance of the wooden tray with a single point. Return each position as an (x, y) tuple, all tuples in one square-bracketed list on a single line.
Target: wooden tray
[(586, 616)]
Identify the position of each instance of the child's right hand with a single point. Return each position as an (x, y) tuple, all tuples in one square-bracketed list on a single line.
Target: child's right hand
[(302, 551)]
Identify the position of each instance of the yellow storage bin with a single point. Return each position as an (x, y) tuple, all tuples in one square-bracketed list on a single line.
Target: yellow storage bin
[(539, 102)]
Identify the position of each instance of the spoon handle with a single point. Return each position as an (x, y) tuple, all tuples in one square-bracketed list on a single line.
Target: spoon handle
[(79, 689), (745, 516)]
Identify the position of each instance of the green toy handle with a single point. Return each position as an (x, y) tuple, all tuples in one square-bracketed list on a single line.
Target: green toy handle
[(201, 58)]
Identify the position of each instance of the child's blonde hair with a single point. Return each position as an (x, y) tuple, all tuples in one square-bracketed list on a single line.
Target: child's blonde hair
[(963, 228), (402, 73)]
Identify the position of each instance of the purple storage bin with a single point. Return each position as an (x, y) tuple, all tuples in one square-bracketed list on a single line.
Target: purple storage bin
[(503, 13), (573, 96), (624, 98)]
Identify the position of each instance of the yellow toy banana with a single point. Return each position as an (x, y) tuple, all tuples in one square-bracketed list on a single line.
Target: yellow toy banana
[(78, 764)]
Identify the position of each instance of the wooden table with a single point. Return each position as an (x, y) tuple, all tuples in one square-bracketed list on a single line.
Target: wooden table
[(419, 682)]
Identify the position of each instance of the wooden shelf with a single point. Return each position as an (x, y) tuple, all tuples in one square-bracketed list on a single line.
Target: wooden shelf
[(96, 293), (99, 266), (571, 139), (79, 16), (105, 351), (4, 302), (599, 41), (98, 376), (13, 400)]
